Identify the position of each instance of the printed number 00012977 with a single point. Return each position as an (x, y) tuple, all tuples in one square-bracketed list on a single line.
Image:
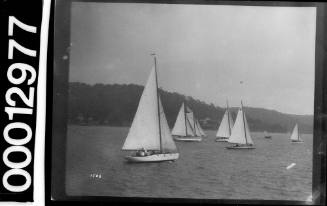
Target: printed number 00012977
[(27, 76)]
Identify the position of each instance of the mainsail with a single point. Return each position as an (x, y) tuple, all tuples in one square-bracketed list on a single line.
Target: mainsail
[(295, 134), (226, 125), (241, 132), (146, 131)]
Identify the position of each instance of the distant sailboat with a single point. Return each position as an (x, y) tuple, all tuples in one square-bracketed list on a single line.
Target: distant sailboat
[(241, 136), (266, 135), (149, 134), (187, 127), (225, 127), (295, 136)]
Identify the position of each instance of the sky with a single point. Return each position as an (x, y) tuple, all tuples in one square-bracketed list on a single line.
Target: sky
[(263, 56)]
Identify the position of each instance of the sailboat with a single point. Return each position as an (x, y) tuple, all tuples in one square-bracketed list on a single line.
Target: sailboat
[(225, 127), (241, 136), (149, 136), (266, 135), (187, 127), (295, 136)]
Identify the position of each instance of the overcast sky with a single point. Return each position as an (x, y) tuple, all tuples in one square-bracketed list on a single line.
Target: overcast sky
[(204, 51)]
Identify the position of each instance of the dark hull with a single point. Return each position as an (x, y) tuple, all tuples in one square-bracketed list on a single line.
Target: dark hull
[(240, 147), (297, 141)]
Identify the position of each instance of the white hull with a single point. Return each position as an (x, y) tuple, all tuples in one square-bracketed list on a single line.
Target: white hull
[(221, 139), (241, 147), (153, 158), (188, 139)]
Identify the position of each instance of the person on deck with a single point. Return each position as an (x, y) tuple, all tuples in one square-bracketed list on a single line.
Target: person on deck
[(140, 153), (146, 153)]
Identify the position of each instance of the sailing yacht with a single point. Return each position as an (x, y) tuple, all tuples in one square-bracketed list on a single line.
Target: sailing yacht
[(187, 127), (295, 136), (241, 136), (149, 136), (225, 127)]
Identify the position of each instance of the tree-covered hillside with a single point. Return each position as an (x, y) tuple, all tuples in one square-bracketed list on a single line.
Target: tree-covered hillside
[(116, 105)]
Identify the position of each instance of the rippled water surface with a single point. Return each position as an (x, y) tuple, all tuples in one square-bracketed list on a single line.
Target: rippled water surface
[(95, 166)]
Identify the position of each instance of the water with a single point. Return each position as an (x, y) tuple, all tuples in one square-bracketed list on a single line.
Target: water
[(205, 170)]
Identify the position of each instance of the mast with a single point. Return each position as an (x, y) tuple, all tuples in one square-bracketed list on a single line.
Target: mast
[(185, 117), (246, 141), (230, 132), (155, 69), (194, 123)]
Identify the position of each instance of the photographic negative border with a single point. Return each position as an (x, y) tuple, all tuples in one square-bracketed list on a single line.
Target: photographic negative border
[(57, 95), (22, 30)]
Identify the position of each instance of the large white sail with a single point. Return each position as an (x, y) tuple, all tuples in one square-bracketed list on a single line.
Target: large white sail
[(167, 141), (182, 125), (226, 125), (295, 133), (179, 126), (240, 132), (144, 131)]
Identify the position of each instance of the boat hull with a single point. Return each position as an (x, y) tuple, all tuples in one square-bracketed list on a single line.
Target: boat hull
[(241, 147), (268, 137), (187, 139), (221, 139), (153, 158), (297, 141)]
